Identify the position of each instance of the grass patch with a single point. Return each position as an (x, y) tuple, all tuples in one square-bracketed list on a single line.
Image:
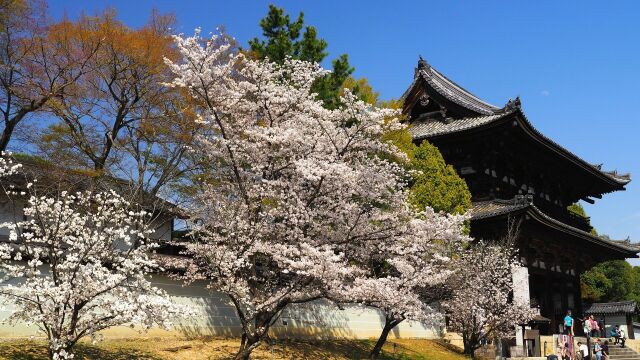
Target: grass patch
[(174, 348)]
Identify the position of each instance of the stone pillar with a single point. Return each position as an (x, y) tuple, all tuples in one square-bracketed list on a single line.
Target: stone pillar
[(520, 278)]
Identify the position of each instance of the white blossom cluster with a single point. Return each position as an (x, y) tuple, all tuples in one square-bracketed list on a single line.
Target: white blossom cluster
[(297, 200), (483, 307), (76, 263), (418, 269)]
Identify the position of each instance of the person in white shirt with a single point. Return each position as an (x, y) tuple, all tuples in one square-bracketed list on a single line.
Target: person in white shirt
[(622, 337), (584, 349)]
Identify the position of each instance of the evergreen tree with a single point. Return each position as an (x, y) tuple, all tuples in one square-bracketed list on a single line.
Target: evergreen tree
[(437, 184), (609, 281), (284, 38)]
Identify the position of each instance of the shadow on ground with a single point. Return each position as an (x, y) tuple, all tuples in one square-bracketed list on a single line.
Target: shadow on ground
[(208, 348), (35, 350)]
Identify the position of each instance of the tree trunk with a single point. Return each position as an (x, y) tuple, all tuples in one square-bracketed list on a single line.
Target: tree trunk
[(389, 324), (68, 349), (6, 135), (469, 349), (246, 347)]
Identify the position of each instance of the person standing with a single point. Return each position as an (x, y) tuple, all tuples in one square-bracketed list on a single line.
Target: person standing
[(586, 326), (605, 350), (568, 324), (595, 329), (597, 350), (622, 337), (603, 333)]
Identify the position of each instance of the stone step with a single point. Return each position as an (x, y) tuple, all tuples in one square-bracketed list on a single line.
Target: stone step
[(617, 352)]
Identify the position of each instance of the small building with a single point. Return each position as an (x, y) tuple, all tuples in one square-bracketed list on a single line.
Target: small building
[(614, 313)]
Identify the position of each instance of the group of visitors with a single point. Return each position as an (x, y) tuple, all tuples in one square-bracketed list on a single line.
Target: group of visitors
[(600, 350), (592, 329)]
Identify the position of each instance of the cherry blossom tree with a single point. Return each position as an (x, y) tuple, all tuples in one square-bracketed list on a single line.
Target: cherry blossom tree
[(408, 277), (297, 198), (77, 264), (483, 307)]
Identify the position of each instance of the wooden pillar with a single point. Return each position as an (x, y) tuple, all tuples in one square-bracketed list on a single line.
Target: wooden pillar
[(564, 297), (548, 302)]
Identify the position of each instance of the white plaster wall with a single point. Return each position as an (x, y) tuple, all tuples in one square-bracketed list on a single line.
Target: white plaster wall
[(610, 321), (216, 316)]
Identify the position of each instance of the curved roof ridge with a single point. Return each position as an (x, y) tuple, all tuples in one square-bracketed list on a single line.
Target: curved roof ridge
[(611, 308), (496, 207), (434, 127), (456, 92), (452, 91), (625, 245), (621, 179), (616, 302)]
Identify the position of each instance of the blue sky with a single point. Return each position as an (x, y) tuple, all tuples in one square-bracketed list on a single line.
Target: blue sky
[(574, 64)]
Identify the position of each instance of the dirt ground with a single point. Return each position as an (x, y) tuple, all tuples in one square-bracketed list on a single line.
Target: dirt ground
[(214, 348)]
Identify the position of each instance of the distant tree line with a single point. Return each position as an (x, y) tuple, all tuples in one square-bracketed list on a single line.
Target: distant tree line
[(615, 280)]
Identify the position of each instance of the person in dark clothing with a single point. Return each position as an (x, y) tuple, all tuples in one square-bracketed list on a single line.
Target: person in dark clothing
[(605, 349), (602, 331)]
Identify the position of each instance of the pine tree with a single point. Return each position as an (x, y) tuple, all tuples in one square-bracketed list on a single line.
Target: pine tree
[(284, 38)]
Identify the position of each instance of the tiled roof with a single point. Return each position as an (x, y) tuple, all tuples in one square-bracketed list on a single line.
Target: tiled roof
[(433, 127), (453, 91), (424, 129), (612, 308), (487, 114), (488, 209), (621, 178), (53, 178), (499, 207)]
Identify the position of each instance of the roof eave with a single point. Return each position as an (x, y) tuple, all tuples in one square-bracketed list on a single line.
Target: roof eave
[(542, 218)]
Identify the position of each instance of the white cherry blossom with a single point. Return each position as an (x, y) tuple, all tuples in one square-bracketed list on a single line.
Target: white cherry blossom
[(77, 263), (296, 200)]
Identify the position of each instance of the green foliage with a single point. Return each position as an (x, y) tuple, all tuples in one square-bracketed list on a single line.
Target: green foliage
[(282, 39), (437, 184), (613, 280), (329, 86), (33, 159), (578, 209), (365, 92)]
